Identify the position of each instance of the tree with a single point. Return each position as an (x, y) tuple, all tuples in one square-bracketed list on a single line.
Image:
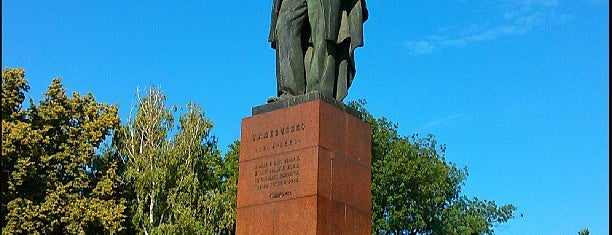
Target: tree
[(177, 182), (229, 188), (53, 181), (416, 191)]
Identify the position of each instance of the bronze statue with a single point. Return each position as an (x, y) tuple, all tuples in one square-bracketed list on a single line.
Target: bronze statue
[(315, 42)]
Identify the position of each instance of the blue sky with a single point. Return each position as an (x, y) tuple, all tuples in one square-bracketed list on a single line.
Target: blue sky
[(518, 90)]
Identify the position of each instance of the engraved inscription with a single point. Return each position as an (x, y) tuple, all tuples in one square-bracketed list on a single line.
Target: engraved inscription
[(278, 138), (278, 172), (280, 194), (278, 132), (278, 145)]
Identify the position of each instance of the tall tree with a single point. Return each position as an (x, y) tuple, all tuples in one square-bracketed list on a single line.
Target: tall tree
[(53, 179), (177, 181), (416, 191), (229, 188)]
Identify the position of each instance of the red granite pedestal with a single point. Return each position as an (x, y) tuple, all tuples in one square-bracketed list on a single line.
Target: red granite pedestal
[(304, 169)]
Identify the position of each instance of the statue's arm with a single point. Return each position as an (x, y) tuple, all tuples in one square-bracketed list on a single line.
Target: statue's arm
[(275, 11)]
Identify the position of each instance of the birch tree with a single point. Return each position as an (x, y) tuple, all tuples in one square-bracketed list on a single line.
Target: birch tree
[(176, 180)]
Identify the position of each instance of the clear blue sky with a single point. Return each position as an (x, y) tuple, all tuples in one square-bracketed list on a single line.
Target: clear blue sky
[(518, 90)]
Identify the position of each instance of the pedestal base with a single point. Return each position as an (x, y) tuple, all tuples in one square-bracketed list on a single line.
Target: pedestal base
[(304, 169)]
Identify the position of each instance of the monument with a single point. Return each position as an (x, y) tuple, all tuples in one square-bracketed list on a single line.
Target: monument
[(315, 41), (305, 157)]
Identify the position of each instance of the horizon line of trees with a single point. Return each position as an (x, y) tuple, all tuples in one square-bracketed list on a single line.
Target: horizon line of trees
[(157, 175)]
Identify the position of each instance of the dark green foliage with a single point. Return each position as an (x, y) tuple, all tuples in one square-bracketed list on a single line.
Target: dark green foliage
[(55, 181), (229, 177), (158, 179), (416, 191)]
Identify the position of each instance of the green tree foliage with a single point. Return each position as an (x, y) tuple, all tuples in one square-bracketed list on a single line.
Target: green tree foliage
[(416, 191), (584, 232), (53, 181), (178, 182), (229, 188)]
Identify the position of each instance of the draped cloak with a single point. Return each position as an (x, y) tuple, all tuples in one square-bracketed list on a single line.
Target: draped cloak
[(343, 20)]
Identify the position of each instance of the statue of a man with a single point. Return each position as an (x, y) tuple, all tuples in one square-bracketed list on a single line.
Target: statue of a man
[(315, 42)]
